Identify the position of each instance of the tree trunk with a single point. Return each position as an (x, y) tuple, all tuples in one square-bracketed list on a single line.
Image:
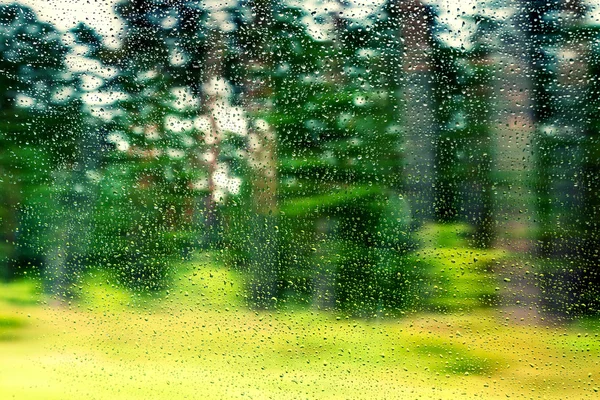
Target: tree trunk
[(324, 277), (417, 103), (72, 227), (211, 102), (262, 147)]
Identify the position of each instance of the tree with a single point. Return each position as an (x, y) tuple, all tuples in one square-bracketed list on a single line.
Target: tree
[(250, 69), (416, 35), (38, 131), (590, 187), (151, 182), (338, 162), (75, 183), (563, 114), (463, 148)]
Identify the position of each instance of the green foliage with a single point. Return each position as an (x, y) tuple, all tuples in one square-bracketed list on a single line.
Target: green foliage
[(127, 187), (38, 131), (141, 223)]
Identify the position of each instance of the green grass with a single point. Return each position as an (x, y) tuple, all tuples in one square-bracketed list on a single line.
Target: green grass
[(199, 341), (9, 327), (23, 292), (459, 277)]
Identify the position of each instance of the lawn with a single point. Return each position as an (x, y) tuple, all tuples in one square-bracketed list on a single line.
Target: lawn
[(199, 341)]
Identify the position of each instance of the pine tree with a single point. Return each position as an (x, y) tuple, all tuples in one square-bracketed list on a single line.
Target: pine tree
[(38, 131)]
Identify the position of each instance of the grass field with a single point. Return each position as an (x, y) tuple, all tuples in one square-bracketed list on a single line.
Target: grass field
[(199, 342)]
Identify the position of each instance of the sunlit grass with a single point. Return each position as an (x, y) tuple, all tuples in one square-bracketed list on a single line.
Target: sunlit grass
[(459, 277), (199, 341)]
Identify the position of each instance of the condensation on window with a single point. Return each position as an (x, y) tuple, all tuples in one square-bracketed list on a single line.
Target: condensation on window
[(324, 199)]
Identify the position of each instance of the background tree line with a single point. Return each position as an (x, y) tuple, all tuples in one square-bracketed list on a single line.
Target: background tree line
[(313, 151)]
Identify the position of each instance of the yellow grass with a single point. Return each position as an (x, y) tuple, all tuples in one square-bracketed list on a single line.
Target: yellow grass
[(199, 342)]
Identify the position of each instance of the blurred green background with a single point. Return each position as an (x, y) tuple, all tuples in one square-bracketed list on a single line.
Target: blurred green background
[(328, 200)]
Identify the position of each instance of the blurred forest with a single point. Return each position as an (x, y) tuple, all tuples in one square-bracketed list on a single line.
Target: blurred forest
[(368, 165)]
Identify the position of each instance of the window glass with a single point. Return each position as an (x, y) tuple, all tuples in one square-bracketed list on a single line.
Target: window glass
[(279, 198)]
